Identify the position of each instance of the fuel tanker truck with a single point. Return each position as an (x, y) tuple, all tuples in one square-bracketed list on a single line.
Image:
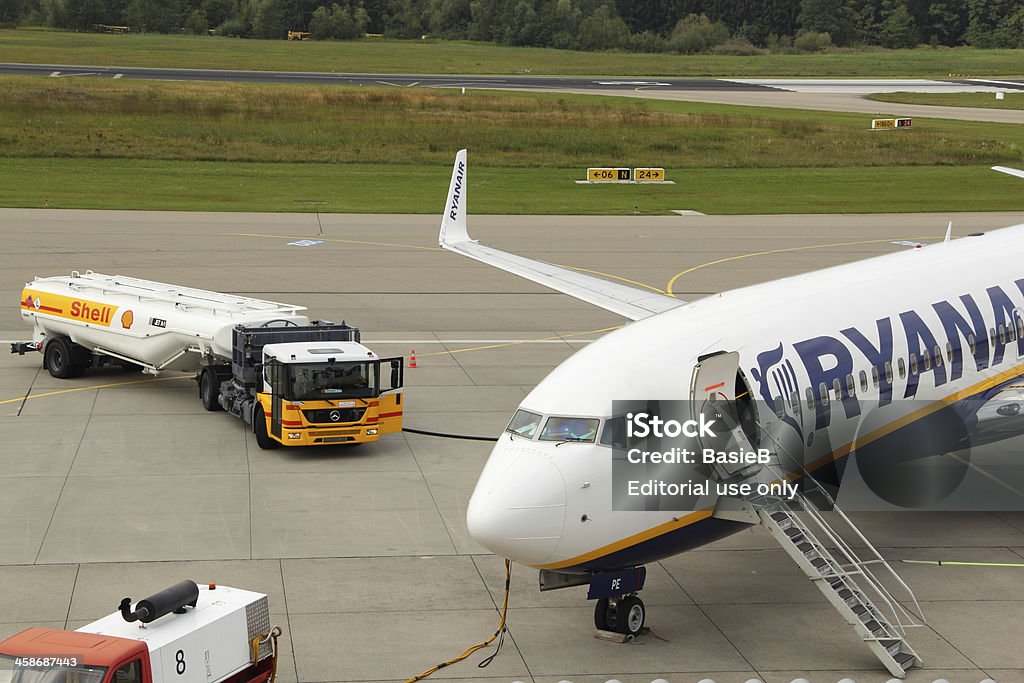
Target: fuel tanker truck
[(184, 634), (295, 381)]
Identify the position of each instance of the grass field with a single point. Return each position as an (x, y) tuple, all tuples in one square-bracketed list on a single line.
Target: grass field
[(380, 56), (225, 146), (986, 100), (366, 188), (77, 118)]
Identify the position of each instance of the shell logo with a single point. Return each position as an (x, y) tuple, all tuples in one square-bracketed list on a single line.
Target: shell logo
[(127, 318)]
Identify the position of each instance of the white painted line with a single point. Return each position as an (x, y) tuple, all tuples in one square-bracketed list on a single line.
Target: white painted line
[(55, 74), (688, 212), (118, 75), (631, 83)]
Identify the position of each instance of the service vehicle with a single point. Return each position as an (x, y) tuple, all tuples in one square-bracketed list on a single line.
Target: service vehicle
[(183, 634), (295, 381)]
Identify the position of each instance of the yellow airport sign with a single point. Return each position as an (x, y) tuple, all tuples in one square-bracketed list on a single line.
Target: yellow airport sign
[(649, 175), (608, 175), (882, 123)]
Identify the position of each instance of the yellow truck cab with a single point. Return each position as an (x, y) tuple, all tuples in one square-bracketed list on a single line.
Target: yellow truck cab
[(329, 392)]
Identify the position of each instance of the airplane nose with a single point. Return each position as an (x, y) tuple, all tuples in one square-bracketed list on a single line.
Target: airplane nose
[(517, 510)]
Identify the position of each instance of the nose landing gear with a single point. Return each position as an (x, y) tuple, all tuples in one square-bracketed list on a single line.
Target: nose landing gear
[(625, 615)]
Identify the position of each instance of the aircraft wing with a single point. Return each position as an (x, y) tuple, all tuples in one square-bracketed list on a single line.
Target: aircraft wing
[(1009, 171), (631, 302)]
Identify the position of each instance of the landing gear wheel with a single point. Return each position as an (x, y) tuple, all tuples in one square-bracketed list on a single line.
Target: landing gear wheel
[(630, 615), (601, 615), (209, 391), (259, 423), (57, 359)]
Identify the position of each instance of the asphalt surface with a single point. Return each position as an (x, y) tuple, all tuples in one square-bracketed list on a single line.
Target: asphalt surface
[(523, 82), (114, 488)]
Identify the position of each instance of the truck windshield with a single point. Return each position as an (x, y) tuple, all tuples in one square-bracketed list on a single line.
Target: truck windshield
[(36, 669), (330, 381)]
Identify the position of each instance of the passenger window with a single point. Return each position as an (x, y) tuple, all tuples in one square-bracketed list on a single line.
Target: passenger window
[(823, 393), (614, 433), (901, 367), (129, 673), (838, 388), (913, 364), (992, 336), (927, 358), (938, 356), (972, 344), (1002, 335), (794, 400), (949, 352), (864, 380), (1011, 332), (810, 399), (1020, 327), (780, 407), (874, 374), (851, 386)]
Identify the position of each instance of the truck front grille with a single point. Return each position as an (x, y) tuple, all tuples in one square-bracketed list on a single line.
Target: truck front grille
[(333, 415)]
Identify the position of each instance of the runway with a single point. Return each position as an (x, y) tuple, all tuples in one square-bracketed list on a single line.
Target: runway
[(125, 489), (812, 93)]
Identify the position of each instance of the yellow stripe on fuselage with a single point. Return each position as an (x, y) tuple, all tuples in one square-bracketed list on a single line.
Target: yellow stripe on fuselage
[(629, 541), (699, 515)]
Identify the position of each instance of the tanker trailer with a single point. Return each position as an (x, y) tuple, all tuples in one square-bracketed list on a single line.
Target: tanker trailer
[(295, 381)]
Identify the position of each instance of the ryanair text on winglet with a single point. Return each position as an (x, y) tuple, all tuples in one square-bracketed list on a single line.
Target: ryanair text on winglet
[(453, 211)]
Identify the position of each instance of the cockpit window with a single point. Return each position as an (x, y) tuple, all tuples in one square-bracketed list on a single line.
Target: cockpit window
[(570, 429), (524, 423), (614, 432)]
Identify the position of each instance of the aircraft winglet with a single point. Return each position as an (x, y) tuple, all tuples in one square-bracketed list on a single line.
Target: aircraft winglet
[(453, 223)]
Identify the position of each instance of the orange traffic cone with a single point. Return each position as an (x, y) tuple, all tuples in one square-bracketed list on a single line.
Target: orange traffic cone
[(412, 359)]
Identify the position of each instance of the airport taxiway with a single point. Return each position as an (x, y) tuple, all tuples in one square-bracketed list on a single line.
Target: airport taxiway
[(117, 485), (820, 94)]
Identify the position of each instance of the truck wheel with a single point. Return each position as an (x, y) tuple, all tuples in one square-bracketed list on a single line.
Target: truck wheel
[(57, 359), (209, 391), (259, 423)]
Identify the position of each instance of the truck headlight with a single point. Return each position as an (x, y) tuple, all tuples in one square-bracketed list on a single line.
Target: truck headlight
[(294, 435), (371, 432)]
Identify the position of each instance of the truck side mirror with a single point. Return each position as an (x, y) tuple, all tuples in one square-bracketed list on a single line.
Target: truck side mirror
[(396, 369)]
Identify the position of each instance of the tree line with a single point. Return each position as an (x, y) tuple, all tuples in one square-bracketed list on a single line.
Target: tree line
[(682, 26)]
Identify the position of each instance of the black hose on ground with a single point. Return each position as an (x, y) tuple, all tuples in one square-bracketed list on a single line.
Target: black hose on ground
[(443, 435)]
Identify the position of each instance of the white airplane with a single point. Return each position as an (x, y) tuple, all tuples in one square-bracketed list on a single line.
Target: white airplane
[(825, 362)]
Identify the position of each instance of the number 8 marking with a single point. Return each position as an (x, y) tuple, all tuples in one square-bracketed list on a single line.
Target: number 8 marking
[(179, 657)]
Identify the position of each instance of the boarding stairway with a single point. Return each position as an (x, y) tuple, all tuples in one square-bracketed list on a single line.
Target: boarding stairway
[(847, 581), (844, 579)]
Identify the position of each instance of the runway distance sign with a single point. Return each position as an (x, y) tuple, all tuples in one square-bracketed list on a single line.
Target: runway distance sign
[(655, 175), (890, 124), (608, 175)]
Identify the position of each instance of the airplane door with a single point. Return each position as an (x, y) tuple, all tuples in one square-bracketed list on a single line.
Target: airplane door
[(713, 393), (391, 376), (276, 379)]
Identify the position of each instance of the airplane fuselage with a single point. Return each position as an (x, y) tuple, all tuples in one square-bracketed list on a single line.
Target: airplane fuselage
[(836, 358)]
